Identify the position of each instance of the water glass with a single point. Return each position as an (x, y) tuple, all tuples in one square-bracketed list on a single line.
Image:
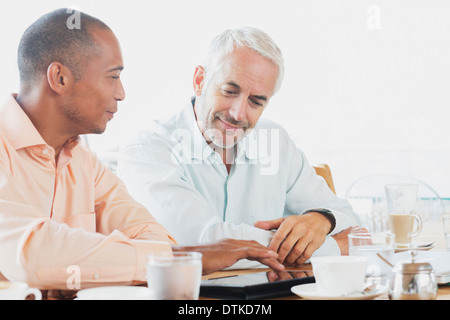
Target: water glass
[(379, 248), (446, 222), (175, 276)]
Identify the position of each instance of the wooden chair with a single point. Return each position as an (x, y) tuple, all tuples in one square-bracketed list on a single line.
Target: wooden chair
[(324, 171)]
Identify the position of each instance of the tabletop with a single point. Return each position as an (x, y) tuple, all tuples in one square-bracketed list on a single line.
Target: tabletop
[(432, 231)]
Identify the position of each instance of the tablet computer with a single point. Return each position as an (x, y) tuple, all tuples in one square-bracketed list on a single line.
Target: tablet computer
[(254, 285)]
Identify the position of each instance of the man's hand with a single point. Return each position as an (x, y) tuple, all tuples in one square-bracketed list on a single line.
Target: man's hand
[(226, 252), (287, 275), (342, 238), (297, 237)]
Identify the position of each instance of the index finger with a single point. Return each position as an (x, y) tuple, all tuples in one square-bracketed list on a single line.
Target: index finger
[(269, 224), (280, 235), (264, 256)]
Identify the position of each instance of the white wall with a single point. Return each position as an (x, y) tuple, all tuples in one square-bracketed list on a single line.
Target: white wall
[(366, 87)]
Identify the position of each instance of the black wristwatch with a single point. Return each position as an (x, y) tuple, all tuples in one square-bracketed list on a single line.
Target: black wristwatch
[(326, 213)]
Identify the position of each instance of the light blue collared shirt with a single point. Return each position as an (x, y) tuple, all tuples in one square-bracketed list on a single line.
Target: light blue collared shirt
[(184, 183)]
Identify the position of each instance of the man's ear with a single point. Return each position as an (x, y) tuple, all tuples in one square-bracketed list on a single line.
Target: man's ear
[(199, 80), (59, 77)]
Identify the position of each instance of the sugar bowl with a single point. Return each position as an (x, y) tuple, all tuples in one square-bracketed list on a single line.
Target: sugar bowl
[(413, 281)]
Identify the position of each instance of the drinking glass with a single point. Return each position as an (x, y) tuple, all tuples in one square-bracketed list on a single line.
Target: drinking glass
[(379, 248), (446, 222), (175, 276), (405, 223)]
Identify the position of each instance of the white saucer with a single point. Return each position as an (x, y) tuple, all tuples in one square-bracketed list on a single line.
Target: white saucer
[(309, 291), (115, 293)]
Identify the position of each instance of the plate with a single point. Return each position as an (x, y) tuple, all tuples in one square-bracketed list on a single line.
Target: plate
[(309, 291), (115, 293)]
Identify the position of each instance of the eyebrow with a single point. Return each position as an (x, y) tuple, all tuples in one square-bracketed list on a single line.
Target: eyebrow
[(119, 68), (234, 84), (264, 98)]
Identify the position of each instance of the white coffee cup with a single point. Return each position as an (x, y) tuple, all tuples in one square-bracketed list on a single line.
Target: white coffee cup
[(339, 275), (17, 291)]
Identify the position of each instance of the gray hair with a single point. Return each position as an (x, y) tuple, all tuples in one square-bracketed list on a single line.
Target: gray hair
[(226, 42)]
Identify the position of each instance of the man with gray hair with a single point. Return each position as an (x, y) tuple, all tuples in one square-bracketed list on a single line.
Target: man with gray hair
[(217, 171)]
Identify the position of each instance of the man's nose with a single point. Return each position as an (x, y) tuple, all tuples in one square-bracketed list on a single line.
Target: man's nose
[(120, 92), (239, 109)]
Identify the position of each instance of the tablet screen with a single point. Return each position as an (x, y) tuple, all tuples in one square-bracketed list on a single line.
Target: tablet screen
[(257, 278), (255, 285)]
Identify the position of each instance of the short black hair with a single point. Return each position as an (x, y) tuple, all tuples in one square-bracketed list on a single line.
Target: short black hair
[(55, 37)]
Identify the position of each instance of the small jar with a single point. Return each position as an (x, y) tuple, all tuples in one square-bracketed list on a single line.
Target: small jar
[(413, 281)]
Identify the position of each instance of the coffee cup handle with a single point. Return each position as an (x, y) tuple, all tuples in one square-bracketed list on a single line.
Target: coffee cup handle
[(419, 225), (34, 291)]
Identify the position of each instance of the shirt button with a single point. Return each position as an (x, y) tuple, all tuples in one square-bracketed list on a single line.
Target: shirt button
[(46, 152)]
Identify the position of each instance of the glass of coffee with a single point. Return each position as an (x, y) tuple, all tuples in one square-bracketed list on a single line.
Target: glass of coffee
[(404, 221)]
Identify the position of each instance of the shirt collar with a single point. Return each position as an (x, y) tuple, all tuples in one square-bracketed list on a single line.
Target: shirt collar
[(18, 128), (196, 145)]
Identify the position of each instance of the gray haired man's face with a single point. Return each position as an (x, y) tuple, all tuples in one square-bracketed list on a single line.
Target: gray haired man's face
[(233, 99)]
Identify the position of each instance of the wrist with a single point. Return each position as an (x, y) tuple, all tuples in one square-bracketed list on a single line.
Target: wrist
[(325, 213)]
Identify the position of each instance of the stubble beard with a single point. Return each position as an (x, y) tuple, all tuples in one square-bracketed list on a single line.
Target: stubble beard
[(76, 117), (206, 120)]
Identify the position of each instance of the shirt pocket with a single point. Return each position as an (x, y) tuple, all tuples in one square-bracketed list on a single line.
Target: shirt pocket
[(85, 221)]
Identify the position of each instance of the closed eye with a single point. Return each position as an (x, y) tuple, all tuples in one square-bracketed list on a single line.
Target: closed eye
[(230, 89), (256, 102), (117, 71), (229, 92), (259, 101)]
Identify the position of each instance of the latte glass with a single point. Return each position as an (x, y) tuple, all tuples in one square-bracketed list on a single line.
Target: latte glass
[(405, 223)]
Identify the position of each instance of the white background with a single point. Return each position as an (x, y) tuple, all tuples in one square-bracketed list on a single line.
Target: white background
[(366, 87)]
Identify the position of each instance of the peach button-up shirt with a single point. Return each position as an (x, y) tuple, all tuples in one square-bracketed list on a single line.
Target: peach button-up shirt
[(71, 223)]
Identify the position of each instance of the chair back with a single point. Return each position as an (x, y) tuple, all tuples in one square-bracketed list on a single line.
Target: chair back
[(324, 171), (368, 199)]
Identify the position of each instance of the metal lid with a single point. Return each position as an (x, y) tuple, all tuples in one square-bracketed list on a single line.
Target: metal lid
[(413, 267)]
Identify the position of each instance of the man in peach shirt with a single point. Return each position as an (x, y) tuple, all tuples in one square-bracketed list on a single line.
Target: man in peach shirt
[(59, 206)]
